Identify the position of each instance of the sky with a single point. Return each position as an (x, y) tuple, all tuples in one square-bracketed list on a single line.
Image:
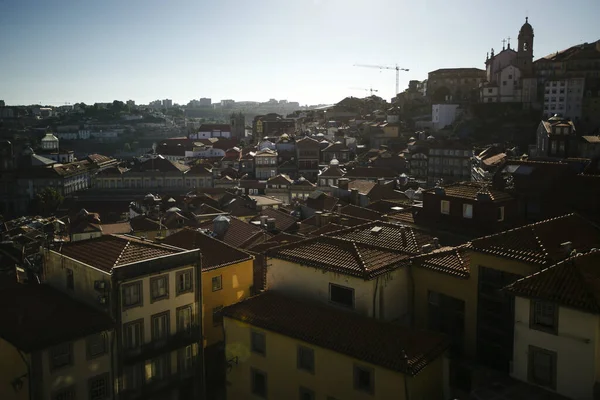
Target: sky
[(68, 51)]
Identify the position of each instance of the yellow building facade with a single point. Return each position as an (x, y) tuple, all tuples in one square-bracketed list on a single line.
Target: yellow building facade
[(282, 366)]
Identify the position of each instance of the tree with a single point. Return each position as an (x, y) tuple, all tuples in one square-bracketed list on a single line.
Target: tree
[(46, 202)]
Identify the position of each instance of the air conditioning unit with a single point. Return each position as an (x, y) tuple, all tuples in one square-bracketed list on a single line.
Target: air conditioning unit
[(99, 285), (102, 299)]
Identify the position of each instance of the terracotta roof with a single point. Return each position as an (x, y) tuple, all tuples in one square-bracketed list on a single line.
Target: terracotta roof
[(142, 223), (240, 234), (387, 206), (320, 201), (386, 235), (361, 212), (280, 179), (592, 139), (116, 228), (325, 229), (337, 147), (494, 160), (110, 251), (469, 190), (362, 186), (283, 221), (540, 242), (333, 171), (380, 343), (455, 261), (340, 255), (215, 253), (574, 282), (277, 240), (371, 172), (35, 317), (98, 158)]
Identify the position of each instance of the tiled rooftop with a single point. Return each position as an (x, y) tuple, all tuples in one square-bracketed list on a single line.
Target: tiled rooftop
[(454, 261), (469, 190), (361, 212), (540, 242), (240, 234), (386, 235), (277, 240), (108, 252), (35, 317), (215, 253), (283, 221), (388, 345), (574, 282), (340, 255)]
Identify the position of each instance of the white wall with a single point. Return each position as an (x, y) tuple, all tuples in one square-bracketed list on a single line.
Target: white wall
[(313, 283), (442, 115), (575, 347)]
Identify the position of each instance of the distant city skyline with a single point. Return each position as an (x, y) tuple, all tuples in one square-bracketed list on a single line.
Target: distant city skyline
[(67, 51)]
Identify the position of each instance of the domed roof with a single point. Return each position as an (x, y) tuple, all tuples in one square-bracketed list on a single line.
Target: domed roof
[(526, 28), (49, 137), (334, 161)]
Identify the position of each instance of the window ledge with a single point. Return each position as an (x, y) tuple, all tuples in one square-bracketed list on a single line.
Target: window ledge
[(553, 333)]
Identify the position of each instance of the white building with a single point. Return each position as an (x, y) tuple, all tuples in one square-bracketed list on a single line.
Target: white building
[(443, 115), (504, 88), (557, 327), (564, 97)]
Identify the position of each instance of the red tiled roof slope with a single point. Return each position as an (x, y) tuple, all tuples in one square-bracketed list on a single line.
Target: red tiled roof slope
[(340, 255), (388, 345), (540, 242), (107, 252), (574, 282), (455, 261), (215, 253)]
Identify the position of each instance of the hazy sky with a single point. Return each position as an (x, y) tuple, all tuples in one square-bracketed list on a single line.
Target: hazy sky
[(57, 51)]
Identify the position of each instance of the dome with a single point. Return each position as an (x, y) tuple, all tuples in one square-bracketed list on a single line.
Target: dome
[(334, 161), (49, 138), (173, 209), (526, 28), (171, 200)]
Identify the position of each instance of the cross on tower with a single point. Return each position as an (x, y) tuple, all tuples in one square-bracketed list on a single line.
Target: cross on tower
[(503, 43)]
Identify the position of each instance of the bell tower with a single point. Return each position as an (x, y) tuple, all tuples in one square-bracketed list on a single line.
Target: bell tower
[(525, 50)]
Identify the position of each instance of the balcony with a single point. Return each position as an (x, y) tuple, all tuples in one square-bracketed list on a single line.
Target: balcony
[(156, 387), (166, 345)]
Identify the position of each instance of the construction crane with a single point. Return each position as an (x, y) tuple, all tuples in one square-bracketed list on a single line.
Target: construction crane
[(371, 90), (380, 67)]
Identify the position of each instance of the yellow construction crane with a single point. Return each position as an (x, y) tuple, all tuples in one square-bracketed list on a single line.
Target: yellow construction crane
[(371, 90), (380, 67)]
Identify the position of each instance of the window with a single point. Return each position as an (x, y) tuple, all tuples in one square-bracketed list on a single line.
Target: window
[(542, 367), (553, 147), (156, 369), (185, 359), (184, 319), (70, 279), (61, 355), (341, 295), (445, 207), (134, 334), (65, 394), (503, 83), (509, 76), (259, 383), (98, 387), (258, 342), (184, 281), (306, 359), (217, 283), (306, 394), (217, 317), (468, 211), (501, 213), (363, 379), (159, 288), (544, 316), (132, 294), (160, 326), (96, 345), (132, 376)]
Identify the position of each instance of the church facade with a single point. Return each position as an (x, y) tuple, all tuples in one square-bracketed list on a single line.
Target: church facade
[(509, 73)]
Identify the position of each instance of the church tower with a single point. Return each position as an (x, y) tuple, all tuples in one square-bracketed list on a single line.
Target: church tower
[(525, 50), (238, 125)]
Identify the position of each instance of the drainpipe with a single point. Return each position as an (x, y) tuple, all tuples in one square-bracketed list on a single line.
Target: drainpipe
[(375, 296), (200, 313)]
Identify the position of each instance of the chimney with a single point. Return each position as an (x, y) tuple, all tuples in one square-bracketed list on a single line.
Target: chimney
[(436, 243), (440, 191), (343, 183), (427, 248), (566, 249), (271, 224), (354, 199), (263, 221), (381, 181), (338, 209), (325, 218), (318, 215)]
